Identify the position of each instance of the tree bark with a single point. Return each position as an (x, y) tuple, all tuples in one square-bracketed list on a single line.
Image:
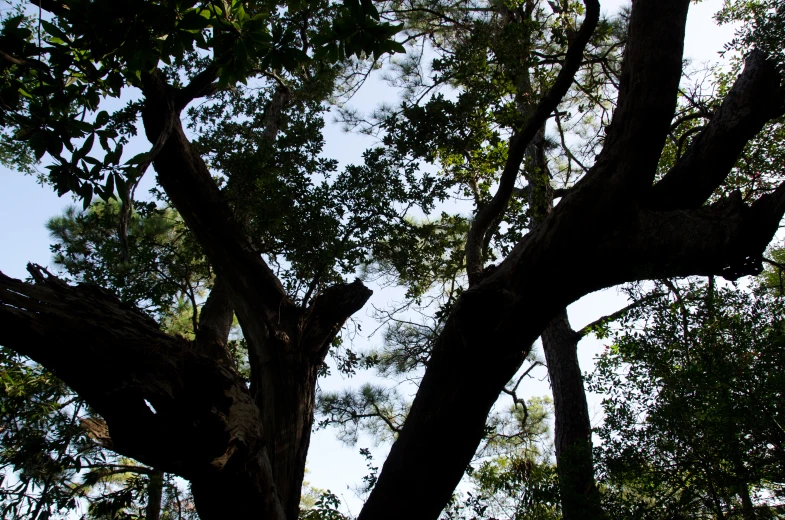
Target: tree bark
[(201, 422), (155, 491), (580, 497), (286, 343), (598, 236), (215, 322)]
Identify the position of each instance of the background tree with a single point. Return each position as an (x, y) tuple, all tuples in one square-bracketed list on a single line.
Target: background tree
[(693, 421)]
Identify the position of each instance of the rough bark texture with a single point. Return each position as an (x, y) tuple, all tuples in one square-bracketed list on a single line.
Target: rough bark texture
[(286, 343), (155, 490), (215, 322), (243, 449), (202, 423), (579, 494)]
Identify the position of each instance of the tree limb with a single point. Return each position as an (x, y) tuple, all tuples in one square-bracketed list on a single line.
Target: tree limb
[(520, 141), (215, 322), (255, 290), (585, 331), (755, 99), (648, 90), (203, 84), (328, 313), (117, 360)]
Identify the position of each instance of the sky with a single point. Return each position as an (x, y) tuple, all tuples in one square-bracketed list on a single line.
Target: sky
[(25, 207)]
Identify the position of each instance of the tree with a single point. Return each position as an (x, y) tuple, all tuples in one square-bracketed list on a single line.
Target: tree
[(54, 459), (693, 418), (243, 447)]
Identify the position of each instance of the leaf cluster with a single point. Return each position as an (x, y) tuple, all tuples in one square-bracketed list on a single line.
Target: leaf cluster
[(693, 412), (166, 274)]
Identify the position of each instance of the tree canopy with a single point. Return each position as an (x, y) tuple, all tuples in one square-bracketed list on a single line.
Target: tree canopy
[(539, 152)]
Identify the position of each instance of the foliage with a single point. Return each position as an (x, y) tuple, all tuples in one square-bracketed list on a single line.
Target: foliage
[(324, 508), (377, 410), (50, 464), (315, 224), (57, 75), (761, 24), (773, 277), (166, 275), (693, 414)]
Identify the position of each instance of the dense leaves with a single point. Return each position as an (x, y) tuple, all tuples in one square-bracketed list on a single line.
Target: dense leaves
[(166, 274), (55, 77), (693, 386)]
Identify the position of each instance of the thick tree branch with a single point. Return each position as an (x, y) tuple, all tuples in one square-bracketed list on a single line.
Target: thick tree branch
[(470, 364), (215, 322), (727, 238), (755, 99), (520, 141), (201, 423), (651, 71), (258, 297), (329, 312), (203, 84)]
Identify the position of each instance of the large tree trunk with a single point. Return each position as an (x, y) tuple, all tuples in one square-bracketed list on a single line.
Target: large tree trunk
[(606, 231), (241, 454), (579, 495), (155, 491), (286, 343)]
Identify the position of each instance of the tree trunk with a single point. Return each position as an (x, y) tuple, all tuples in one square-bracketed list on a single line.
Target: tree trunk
[(286, 343), (471, 362), (202, 423), (747, 507), (600, 234), (579, 495), (289, 421), (155, 491)]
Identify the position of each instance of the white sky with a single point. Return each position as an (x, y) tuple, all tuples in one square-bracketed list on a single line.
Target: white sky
[(25, 207)]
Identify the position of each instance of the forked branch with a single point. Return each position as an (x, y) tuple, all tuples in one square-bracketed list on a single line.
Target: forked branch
[(520, 141)]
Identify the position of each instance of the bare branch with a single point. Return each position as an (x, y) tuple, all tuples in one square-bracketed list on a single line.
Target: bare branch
[(616, 315)]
